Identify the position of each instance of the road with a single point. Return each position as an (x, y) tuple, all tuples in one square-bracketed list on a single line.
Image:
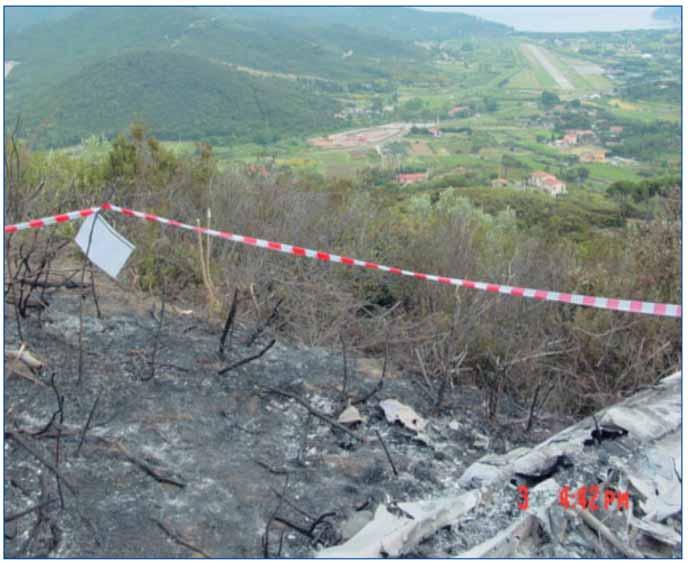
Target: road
[(553, 71), (8, 67)]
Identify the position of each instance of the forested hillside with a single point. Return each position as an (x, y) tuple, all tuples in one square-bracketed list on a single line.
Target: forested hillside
[(95, 70), (399, 23), (175, 95)]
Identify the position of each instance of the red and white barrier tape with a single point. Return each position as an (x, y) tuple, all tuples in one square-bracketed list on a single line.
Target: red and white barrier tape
[(45, 221), (644, 307)]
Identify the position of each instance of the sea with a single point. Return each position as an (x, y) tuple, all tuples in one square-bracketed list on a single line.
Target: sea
[(568, 19)]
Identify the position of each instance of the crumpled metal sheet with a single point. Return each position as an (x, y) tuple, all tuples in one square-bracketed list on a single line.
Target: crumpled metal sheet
[(649, 414), (350, 415), (396, 411), (654, 473), (391, 535), (514, 540)]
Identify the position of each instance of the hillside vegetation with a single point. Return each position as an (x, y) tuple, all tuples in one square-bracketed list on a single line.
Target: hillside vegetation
[(176, 96), (573, 358), (79, 59)]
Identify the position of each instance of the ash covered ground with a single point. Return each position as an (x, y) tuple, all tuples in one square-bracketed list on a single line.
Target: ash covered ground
[(193, 463), (193, 457)]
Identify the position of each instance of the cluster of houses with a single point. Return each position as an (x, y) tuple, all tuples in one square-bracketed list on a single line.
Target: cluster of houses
[(576, 137), (543, 181)]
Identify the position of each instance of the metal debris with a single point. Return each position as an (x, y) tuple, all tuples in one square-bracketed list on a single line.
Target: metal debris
[(350, 415), (390, 535), (396, 411)]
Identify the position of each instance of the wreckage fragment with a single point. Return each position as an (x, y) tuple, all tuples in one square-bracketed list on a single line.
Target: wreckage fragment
[(350, 415), (398, 412), (389, 535)]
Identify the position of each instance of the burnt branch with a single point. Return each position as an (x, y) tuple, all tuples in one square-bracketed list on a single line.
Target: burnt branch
[(249, 359), (88, 421), (265, 324), (60, 413), (313, 411), (294, 526), (378, 387), (270, 468), (160, 474), (19, 440), (266, 536), (16, 515), (177, 538)]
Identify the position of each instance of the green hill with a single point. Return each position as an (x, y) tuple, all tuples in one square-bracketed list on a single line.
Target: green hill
[(406, 24), (271, 44), (176, 96), (91, 70), (21, 18)]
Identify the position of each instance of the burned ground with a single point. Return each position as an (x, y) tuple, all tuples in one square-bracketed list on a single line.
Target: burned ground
[(190, 462)]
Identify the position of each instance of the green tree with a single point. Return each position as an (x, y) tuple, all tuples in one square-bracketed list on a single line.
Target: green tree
[(549, 99)]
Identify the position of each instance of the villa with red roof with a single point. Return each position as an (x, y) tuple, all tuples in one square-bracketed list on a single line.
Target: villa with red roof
[(547, 183), (405, 179)]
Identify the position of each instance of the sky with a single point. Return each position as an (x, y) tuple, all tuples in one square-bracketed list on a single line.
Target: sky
[(566, 19)]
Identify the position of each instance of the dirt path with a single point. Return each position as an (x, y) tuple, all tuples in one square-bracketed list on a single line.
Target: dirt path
[(542, 57)]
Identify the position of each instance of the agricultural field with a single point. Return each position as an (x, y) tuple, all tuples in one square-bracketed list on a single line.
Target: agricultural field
[(503, 129)]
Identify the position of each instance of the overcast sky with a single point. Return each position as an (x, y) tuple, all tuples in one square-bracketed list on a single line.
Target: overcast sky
[(568, 18)]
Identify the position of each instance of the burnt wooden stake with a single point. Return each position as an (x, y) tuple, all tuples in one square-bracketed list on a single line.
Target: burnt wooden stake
[(14, 289), (93, 292), (345, 382), (229, 325), (82, 297), (389, 457), (156, 343), (531, 413)]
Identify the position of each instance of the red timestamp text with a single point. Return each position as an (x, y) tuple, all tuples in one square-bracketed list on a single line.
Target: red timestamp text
[(588, 498)]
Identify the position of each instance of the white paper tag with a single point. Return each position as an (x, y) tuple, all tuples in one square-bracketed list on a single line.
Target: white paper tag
[(108, 250)]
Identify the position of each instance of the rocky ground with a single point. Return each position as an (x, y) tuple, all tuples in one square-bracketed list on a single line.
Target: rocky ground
[(191, 463)]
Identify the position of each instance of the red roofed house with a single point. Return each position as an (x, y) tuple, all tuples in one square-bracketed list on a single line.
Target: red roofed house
[(412, 178), (547, 183), (457, 109)]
